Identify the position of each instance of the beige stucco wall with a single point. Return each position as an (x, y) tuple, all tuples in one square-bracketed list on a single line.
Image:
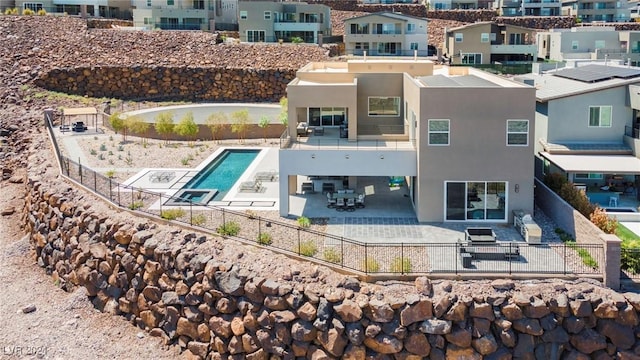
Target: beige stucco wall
[(477, 150)]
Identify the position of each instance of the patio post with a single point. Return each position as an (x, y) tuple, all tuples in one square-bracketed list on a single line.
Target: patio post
[(110, 191), (190, 212), (612, 263), (342, 251)]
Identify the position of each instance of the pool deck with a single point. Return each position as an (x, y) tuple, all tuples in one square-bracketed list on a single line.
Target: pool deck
[(267, 199)]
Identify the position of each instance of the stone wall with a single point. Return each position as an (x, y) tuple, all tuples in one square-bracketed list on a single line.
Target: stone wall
[(170, 83), (186, 289)]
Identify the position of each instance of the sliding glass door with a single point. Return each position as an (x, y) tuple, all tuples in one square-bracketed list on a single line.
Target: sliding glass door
[(327, 116), (475, 200)]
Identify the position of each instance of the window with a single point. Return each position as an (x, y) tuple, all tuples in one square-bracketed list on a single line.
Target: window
[(243, 14), (516, 39), (327, 116), (599, 44), (477, 200), (518, 132), (255, 35), (359, 28), (267, 15), (484, 37), (588, 176), (148, 21), (599, 116), (574, 45), (170, 2), (458, 37), (414, 46), (411, 28), (384, 106), (148, 3), (439, 132), (471, 58), (32, 6), (388, 48)]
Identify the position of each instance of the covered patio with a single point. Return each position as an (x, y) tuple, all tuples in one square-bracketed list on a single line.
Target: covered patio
[(85, 115)]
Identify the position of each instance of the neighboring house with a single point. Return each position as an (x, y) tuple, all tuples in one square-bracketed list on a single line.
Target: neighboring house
[(186, 15), (587, 123), (462, 138), (386, 33), (268, 21), (528, 7), (589, 43), (588, 11), (487, 42), (97, 8)]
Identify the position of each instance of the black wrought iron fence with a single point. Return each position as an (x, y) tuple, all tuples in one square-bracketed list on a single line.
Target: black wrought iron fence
[(630, 263), (349, 254)]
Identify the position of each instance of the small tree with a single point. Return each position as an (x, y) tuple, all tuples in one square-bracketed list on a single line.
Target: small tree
[(284, 111), (118, 124), (240, 123), (187, 127), (263, 124), (297, 40), (138, 126), (28, 12), (216, 123), (576, 198), (600, 218), (164, 125)]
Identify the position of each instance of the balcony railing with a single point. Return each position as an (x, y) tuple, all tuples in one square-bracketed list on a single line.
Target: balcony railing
[(344, 144), (632, 132)]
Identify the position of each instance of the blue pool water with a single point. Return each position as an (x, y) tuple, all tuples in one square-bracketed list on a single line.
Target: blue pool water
[(602, 198), (223, 172)]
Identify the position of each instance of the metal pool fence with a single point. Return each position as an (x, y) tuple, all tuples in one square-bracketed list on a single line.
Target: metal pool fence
[(348, 254)]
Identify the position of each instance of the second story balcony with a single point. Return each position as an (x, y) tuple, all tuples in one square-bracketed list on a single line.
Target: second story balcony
[(318, 138)]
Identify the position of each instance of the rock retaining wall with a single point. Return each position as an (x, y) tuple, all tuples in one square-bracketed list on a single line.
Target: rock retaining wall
[(186, 289), (175, 83)]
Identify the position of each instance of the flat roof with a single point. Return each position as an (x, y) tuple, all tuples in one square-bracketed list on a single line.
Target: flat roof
[(613, 164), (550, 87), (79, 111), (456, 81)]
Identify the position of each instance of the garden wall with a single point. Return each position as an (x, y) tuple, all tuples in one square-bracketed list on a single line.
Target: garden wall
[(188, 289), (581, 228), (170, 83)]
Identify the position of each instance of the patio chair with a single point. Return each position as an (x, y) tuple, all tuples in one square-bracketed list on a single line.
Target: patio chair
[(340, 205), (351, 204), (331, 201), (251, 186), (360, 201)]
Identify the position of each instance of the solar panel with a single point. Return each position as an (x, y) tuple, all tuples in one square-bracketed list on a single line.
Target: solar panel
[(595, 73)]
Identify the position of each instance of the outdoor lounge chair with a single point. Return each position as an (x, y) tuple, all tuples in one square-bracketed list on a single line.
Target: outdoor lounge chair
[(331, 201), (271, 175), (351, 204), (360, 201), (251, 186), (340, 205)]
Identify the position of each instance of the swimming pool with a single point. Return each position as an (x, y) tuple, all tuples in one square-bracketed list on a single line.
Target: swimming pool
[(223, 172)]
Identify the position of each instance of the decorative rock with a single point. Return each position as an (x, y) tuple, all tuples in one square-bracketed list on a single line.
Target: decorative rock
[(187, 328), (379, 311), (354, 352), (621, 336), (606, 310), (423, 286), (384, 344), (588, 341), (484, 311), (454, 352), (348, 311), (512, 312), (528, 326), (303, 331), (503, 284), (307, 312), (419, 311), (581, 308), (333, 342), (435, 326), (459, 337), (8, 211), (28, 309), (537, 309), (485, 345), (237, 326), (418, 344)]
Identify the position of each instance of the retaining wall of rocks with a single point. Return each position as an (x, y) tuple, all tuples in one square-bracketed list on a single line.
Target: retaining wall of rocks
[(186, 289), (174, 83)]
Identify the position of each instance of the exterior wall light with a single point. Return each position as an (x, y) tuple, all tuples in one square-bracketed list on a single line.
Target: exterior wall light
[(313, 156), (517, 188)]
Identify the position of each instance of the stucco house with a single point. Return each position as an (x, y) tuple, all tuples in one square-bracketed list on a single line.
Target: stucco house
[(386, 33), (185, 15), (589, 43), (270, 21), (587, 125), (94, 8), (377, 118), (488, 42)]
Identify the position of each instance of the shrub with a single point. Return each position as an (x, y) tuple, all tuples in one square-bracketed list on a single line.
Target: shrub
[(555, 181), (296, 40), (103, 147), (42, 12), (136, 205), (370, 265), (198, 219), (110, 173), (185, 161), (172, 214), (308, 248), (120, 148), (265, 239), (28, 12), (576, 198), (600, 218), (93, 152), (401, 265), (332, 255), (584, 254), (251, 214), (304, 222), (230, 228), (101, 157)]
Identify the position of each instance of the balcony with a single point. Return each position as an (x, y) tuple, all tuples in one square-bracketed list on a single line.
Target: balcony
[(296, 26), (514, 49)]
